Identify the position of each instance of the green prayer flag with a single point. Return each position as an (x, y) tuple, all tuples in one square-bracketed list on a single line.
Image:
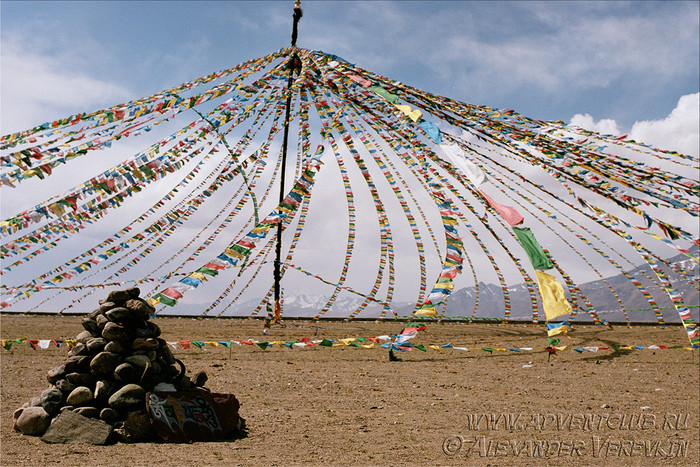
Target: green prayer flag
[(166, 300), (385, 94), (262, 345), (326, 343), (488, 349), (534, 251), (420, 347)]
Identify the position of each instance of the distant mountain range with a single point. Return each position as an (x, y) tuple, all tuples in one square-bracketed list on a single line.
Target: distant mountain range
[(491, 302)]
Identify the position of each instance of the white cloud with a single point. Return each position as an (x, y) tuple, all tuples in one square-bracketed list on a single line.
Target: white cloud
[(680, 131), (605, 126), (38, 86)]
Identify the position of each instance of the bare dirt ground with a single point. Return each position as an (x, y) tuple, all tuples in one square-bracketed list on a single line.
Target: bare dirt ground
[(352, 406)]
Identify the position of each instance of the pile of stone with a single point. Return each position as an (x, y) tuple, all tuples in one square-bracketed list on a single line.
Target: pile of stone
[(117, 360)]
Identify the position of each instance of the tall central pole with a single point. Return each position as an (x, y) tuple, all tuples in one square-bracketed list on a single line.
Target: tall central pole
[(292, 66)]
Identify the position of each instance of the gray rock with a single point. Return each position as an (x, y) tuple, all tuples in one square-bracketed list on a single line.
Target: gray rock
[(15, 416), (141, 308), (81, 379), (165, 352), (90, 325), (118, 296), (67, 408), (77, 364), (104, 363), (70, 427), (34, 402), (127, 373), (141, 343), (117, 347), (84, 336), (101, 321), (120, 315), (133, 292), (138, 427), (130, 397), (56, 373), (51, 400), (109, 415), (33, 421), (78, 349), (64, 385), (95, 313), (80, 396), (164, 387), (96, 344), (89, 412), (155, 367), (139, 361), (103, 389), (115, 332), (149, 329)]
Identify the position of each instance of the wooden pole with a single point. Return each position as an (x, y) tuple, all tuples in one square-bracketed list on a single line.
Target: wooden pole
[(291, 67)]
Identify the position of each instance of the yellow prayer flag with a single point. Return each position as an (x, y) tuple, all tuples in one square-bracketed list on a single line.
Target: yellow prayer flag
[(553, 299), (198, 275), (413, 114), (432, 312), (434, 347)]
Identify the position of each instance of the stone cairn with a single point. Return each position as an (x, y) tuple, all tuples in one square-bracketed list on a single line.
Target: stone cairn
[(116, 361)]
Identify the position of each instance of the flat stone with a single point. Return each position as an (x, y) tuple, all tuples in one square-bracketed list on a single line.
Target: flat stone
[(115, 332), (33, 421), (104, 363), (71, 427), (96, 345), (51, 400), (130, 397), (81, 395)]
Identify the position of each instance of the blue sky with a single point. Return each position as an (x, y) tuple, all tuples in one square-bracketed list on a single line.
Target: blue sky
[(622, 61), (612, 67)]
